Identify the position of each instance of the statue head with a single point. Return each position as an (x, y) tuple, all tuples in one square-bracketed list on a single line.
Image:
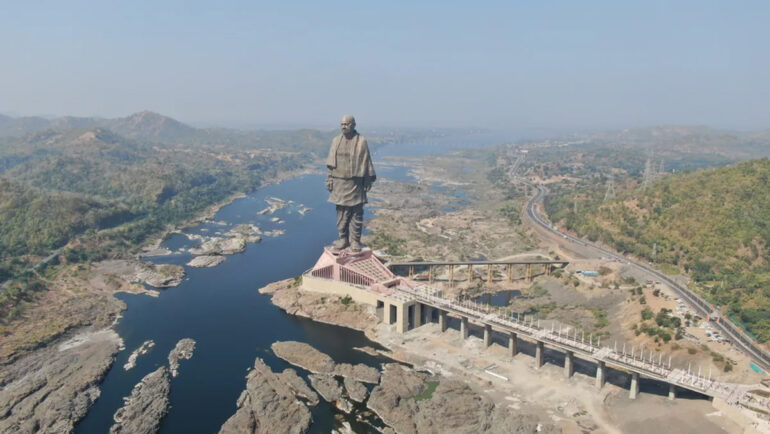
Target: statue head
[(348, 124)]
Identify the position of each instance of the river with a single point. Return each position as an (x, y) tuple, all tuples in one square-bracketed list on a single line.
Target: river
[(231, 322)]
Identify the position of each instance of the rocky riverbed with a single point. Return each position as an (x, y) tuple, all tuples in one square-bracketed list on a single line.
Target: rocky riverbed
[(206, 261), (410, 401), (318, 307), (148, 402), (268, 405), (142, 350), (50, 390), (158, 276), (144, 409), (416, 402), (306, 357), (182, 351)]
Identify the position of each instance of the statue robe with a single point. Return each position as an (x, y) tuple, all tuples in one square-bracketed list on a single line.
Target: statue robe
[(351, 170)]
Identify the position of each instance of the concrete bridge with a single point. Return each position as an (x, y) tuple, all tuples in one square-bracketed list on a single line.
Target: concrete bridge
[(366, 280), (547, 267)]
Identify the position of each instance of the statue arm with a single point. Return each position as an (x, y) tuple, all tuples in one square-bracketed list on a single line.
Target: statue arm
[(371, 176)]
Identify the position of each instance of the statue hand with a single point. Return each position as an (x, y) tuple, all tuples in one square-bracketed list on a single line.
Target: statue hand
[(367, 186), (329, 183)]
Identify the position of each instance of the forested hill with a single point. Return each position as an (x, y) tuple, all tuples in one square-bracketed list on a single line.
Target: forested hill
[(90, 193), (713, 224), (150, 127)]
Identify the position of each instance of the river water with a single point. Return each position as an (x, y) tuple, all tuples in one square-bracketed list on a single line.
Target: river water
[(231, 322)]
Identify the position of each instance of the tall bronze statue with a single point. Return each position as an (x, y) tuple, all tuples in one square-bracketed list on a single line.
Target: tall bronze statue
[(351, 175)]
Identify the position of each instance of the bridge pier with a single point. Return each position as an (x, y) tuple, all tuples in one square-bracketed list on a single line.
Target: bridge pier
[(671, 392), (427, 312), (529, 272), (489, 274), (487, 335), (470, 273), (569, 364), (442, 320), (512, 344), (451, 274), (402, 321), (430, 273), (601, 374), (417, 315), (539, 354), (411, 271), (633, 391), (509, 271), (464, 327), (386, 314)]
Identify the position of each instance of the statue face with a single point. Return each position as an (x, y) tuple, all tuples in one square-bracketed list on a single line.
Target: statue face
[(347, 124)]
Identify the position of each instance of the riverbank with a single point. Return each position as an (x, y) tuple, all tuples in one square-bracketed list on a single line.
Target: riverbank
[(571, 405), (81, 300), (409, 223)]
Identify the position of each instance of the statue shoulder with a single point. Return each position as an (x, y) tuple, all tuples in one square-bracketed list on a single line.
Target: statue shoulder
[(337, 138), (362, 140)]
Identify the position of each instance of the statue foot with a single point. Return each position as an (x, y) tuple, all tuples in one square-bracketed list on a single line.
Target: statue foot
[(355, 246), (340, 244)]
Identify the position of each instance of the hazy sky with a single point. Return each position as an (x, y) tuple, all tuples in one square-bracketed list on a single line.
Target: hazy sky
[(434, 63)]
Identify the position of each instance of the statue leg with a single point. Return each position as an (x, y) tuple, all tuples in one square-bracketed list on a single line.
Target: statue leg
[(356, 226), (343, 222)]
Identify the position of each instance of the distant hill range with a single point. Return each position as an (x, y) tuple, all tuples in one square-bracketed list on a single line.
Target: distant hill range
[(150, 127), (664, 140)]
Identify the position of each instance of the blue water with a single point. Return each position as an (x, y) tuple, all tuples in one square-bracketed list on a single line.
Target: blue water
[(757, 369), (500, 298), (230, 321)]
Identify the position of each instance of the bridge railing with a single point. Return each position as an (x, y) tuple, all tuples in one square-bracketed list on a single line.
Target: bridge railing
[(660, 370)]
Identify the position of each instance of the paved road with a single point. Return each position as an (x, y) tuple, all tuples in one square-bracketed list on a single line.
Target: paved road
[(759, 357)]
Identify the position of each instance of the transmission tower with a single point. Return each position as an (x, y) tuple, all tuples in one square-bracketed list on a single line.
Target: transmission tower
[(610, 193), (649, 173)]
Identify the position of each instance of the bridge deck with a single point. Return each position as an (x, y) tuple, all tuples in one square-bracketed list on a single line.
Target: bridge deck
[(440, 263), (651, 368)]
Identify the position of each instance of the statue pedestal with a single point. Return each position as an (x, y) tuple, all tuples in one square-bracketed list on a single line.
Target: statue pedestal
[(362, 277)]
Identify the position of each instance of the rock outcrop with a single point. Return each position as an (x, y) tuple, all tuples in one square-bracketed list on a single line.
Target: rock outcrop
[(331, 391), (182, 351), (158, 276), (51, 389), (355, 390), (234, 242), (360, 372), (142, 350), (206, 261), (306, 357), (413, 402), (220, 246), (327, 386), (268, 405), (146, 406), (319, 307), (299, 386), (303, 355)]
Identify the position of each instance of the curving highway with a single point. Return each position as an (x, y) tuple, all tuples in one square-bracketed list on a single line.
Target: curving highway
[(704, 309)]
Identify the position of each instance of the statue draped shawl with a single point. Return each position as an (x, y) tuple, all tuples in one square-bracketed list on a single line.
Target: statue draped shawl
[(360, 160)]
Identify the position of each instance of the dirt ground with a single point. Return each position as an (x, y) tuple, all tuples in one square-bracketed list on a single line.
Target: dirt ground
[(574, 404), (415, 214)]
